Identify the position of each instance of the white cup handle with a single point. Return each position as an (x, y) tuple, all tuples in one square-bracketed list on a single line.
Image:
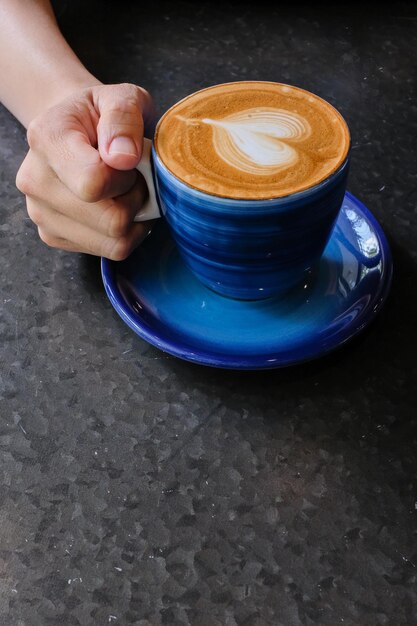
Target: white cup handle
[(149, 210)]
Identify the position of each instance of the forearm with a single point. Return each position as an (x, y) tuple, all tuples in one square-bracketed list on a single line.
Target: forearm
[(37, 66)]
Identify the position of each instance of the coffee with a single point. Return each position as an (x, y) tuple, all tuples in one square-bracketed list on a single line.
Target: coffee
[(252, 140)]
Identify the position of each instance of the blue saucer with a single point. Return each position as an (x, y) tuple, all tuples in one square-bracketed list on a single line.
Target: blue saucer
[(158, 297)]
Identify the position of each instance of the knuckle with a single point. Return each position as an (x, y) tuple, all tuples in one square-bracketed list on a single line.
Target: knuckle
[(131, 105), (118, 221), (90, 188), (126, 102), (48, 130), (35, 212), (35, 132), (24, 180), (119, 249), (47, 238), (130, 92)]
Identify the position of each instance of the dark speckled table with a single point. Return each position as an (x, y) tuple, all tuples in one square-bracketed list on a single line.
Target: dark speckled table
[(140, 489)]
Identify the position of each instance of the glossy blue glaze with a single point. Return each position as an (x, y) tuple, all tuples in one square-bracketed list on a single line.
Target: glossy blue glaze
[(161, 300), (249, 249)]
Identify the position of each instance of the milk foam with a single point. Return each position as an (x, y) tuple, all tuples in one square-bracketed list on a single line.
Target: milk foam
[(253, 140)]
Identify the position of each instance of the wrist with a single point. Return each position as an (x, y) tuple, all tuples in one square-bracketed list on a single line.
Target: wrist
[(38, 68), (59, 89)]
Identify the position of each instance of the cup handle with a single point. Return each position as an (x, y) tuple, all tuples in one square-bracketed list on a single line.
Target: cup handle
[(150, 209)]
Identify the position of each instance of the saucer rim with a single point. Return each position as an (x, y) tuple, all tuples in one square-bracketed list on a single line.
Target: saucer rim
[(253, 362)]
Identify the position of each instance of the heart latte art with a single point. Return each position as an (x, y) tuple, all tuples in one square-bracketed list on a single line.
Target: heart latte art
[(252, 140)]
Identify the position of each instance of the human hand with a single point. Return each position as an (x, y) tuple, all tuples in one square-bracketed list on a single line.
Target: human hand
[(81, 188)]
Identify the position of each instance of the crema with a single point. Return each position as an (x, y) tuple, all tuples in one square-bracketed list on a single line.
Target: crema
[(252, 140)]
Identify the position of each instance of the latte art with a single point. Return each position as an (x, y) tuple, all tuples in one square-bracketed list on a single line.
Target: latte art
[(252, 140)]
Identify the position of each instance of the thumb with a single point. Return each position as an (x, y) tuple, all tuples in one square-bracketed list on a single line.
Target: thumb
[(120, 126)]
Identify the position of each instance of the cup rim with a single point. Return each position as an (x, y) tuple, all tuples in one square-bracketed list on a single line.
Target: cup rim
[(213, 198), (252, 200)]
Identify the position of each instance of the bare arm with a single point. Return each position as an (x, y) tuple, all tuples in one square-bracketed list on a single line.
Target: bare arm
[(37, 66), (85, 138)]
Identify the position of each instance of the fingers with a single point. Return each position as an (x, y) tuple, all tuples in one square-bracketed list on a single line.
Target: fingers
[(94, 140), (121, 111), (79, 179), (65, 145), (59, 231), (104, 228), (112, 217)]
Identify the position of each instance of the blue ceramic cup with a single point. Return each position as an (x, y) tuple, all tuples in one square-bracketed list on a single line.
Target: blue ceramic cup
[(244, 249)]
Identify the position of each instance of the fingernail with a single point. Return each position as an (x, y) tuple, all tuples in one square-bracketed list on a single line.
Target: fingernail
[(123, 145)]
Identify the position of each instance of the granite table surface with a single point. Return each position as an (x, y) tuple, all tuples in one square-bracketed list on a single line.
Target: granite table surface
[(137, 488)]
